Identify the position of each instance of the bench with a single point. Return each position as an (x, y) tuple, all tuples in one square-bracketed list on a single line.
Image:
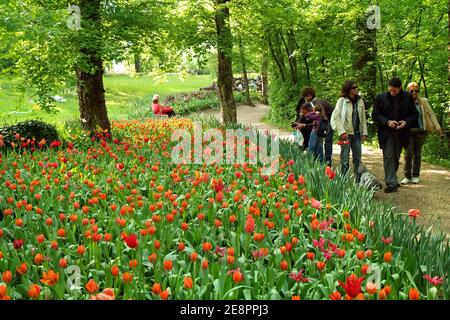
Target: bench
[(160, 116)]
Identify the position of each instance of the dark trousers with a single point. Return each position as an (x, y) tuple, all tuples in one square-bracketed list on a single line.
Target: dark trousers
[(356, 147), (329, 145), (413, 154), (171, 114), (391, 159)]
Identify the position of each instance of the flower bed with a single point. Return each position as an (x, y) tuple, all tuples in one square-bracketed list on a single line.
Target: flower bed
[(136, 226)]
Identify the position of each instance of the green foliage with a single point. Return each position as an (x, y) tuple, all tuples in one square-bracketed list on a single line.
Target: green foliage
[(436, 150), (33, 130), (283, 100)]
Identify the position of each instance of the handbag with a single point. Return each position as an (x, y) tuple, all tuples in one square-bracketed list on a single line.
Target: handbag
[(298, 137)]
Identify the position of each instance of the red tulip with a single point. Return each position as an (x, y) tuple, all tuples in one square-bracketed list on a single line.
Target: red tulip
[(352, 285), (131, 241), (18, 243), (414, 213), (250, 225)]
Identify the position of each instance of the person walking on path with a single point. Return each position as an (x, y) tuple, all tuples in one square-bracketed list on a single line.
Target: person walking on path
[(315, 145), (394, 111), (349, 120), (426, 123), (309, 95)]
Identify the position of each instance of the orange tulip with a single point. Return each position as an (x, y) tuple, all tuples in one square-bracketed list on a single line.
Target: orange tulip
[(156, 288), (320, 265), (237, 277), (7, 276), (205, 264), (92, 286), (371, 288), (168, 265), (2, 291), (284, 265), (34, 291), (388, 257), (127, 277), (414, 294), (50, 278), (188, 283), (114, 270), (164, 294), (336, 296)]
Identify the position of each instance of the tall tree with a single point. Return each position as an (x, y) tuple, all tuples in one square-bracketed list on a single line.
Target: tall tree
[(225, 65), (248, 100), (91, 92)]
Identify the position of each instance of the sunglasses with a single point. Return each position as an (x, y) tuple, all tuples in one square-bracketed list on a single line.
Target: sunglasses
[(412, 91), (354, 87)]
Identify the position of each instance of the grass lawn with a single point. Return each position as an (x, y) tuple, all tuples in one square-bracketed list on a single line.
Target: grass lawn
[(121, 91)]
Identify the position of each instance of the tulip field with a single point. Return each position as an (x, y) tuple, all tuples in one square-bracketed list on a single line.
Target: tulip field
[(114, 218)]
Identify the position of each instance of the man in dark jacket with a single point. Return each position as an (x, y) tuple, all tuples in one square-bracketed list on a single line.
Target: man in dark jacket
[(394, 111), (309, 95)]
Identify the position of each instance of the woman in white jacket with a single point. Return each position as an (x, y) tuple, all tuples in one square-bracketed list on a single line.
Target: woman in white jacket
[(349, 120)]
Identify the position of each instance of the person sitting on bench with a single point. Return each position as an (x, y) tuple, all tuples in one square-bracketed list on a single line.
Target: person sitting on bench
[(159, 109)]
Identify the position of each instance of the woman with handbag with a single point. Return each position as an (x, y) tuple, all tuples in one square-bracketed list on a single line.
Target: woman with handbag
[(426, 123)]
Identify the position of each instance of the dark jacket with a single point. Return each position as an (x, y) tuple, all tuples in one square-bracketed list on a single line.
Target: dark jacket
[(327, 106), (306, 131), (383, 111)]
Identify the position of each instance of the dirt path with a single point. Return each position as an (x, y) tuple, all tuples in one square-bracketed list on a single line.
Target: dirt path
[(431, 195)]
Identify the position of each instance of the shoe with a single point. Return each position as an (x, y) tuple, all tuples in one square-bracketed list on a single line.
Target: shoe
[(390, 189), (415, 180), (405, 181)]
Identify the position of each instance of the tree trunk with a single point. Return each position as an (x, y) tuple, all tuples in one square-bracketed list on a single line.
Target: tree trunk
[(365, 64), (91, 93), (274, 45), (422, 77), (264, 75), (225, 79), (448, 43), (248, 101), (305, 60), (137, 63), (289, 47)]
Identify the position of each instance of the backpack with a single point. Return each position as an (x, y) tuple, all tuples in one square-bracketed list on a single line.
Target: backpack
[(322, 131)]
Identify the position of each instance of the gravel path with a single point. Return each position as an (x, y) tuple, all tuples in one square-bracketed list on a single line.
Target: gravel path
[(431, 195)]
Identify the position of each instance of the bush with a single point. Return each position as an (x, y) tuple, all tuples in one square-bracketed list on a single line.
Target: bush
[(29, 134), (436, 151), (186, 103)]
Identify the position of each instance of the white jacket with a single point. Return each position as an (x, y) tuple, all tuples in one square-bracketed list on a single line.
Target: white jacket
[(341, 118)]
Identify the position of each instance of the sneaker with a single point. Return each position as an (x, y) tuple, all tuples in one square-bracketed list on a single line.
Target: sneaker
[(390, 189), (415, 180), (405, 181)]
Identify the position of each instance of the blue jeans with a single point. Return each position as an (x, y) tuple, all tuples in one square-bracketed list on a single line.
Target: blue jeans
[(355, 146), (315, 146)]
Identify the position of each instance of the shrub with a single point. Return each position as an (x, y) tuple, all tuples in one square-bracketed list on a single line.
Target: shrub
[(437, 150), (29, 134)]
